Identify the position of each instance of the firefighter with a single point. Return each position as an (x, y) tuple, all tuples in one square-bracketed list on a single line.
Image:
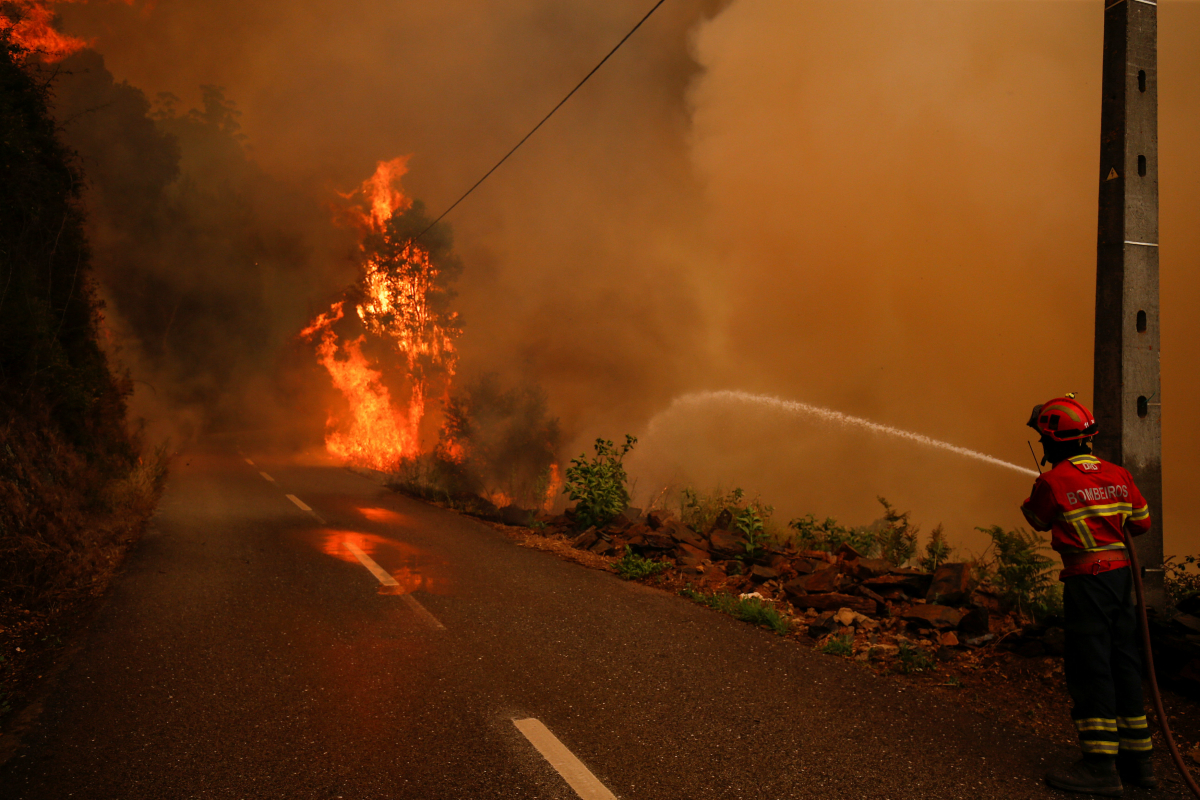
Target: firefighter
[(1087, 502)]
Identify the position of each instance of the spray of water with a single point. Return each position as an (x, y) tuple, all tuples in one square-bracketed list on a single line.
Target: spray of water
[(824, 415)]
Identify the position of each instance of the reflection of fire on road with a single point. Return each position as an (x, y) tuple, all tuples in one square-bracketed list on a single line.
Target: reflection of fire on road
[(383, 515), (412, 567)]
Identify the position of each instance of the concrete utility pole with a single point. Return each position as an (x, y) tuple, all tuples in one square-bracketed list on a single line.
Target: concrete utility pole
[(1126, 383)]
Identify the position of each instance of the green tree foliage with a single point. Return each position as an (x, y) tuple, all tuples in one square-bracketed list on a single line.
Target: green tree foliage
[(597, 485)]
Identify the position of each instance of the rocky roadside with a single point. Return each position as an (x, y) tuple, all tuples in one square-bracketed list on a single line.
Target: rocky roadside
[(943, 632)]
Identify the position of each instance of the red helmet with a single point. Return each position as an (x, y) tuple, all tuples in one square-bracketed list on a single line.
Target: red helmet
[(1063, 419)]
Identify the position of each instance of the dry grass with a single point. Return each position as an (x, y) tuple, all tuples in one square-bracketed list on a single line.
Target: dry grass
[(65, 520), (66, 523)]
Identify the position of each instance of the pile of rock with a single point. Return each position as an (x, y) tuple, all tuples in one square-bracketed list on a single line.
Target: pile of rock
[(840, 593)]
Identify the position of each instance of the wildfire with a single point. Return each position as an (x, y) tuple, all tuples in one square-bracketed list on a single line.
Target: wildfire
[(398, 282), (30, 25), (374, 436), (383, 194)]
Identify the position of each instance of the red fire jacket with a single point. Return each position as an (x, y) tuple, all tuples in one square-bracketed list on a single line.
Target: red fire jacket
[(1086, 501)]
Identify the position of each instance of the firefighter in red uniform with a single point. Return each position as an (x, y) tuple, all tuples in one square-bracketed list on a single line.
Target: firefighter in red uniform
[(1087, 503)]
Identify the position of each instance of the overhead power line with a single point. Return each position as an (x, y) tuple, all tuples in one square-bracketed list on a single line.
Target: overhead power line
[(525, 138)]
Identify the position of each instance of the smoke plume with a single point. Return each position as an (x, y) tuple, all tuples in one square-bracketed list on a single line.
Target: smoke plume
[(883, 208)]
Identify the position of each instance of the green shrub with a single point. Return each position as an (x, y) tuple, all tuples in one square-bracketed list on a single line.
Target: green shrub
[(898, 537), (1022, 573), (809, 534), (1179, 582), (937, 552), (633, 567), (699, 511), (838, 646), (914, 659), (597, 484), (757, 612), (750, 609), (750, 522), (892, 537)]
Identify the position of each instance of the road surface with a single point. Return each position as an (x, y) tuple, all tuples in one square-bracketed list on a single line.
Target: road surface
[(300, 632)]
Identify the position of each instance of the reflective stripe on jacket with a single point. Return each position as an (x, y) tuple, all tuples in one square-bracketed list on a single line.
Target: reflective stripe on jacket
[(1086, 501)]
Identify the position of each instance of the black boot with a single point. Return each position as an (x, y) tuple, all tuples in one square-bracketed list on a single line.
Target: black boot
[(1137, 769), (1089, 775)]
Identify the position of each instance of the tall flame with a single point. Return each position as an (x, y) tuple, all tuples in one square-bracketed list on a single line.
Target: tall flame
[(396, 308), (373, 436)]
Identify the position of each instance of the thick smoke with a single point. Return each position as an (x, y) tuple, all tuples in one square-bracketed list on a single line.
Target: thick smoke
[(209, 266), (886, 208)]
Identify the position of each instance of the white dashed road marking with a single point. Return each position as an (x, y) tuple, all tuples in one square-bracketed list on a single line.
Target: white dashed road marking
[(268, 477), (248, 461), (387, 580), (300, 504), (577, 776), (422, 612)]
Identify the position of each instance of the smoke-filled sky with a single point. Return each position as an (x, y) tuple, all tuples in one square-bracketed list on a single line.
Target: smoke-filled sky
[(887, 208)]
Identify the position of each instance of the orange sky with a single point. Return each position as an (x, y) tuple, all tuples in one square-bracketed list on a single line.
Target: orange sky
[(885, 207)]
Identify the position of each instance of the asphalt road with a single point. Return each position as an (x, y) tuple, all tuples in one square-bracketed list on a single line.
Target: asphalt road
[(247, 652)]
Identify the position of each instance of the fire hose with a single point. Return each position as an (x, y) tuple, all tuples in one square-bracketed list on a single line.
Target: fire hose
[(1156, 696)]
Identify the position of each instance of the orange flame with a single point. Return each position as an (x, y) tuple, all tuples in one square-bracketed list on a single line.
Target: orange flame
[(553, 487), (30, 24), (395, 307), (498, 498), (374, 436)]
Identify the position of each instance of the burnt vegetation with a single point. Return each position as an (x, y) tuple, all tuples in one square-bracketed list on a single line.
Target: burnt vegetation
[(508, 442)]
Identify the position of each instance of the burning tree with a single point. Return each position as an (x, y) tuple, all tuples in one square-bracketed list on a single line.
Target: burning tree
[(30, 24), (402, 316)]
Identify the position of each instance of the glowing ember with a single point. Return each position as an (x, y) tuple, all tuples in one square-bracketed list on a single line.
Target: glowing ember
[(397, 285)]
